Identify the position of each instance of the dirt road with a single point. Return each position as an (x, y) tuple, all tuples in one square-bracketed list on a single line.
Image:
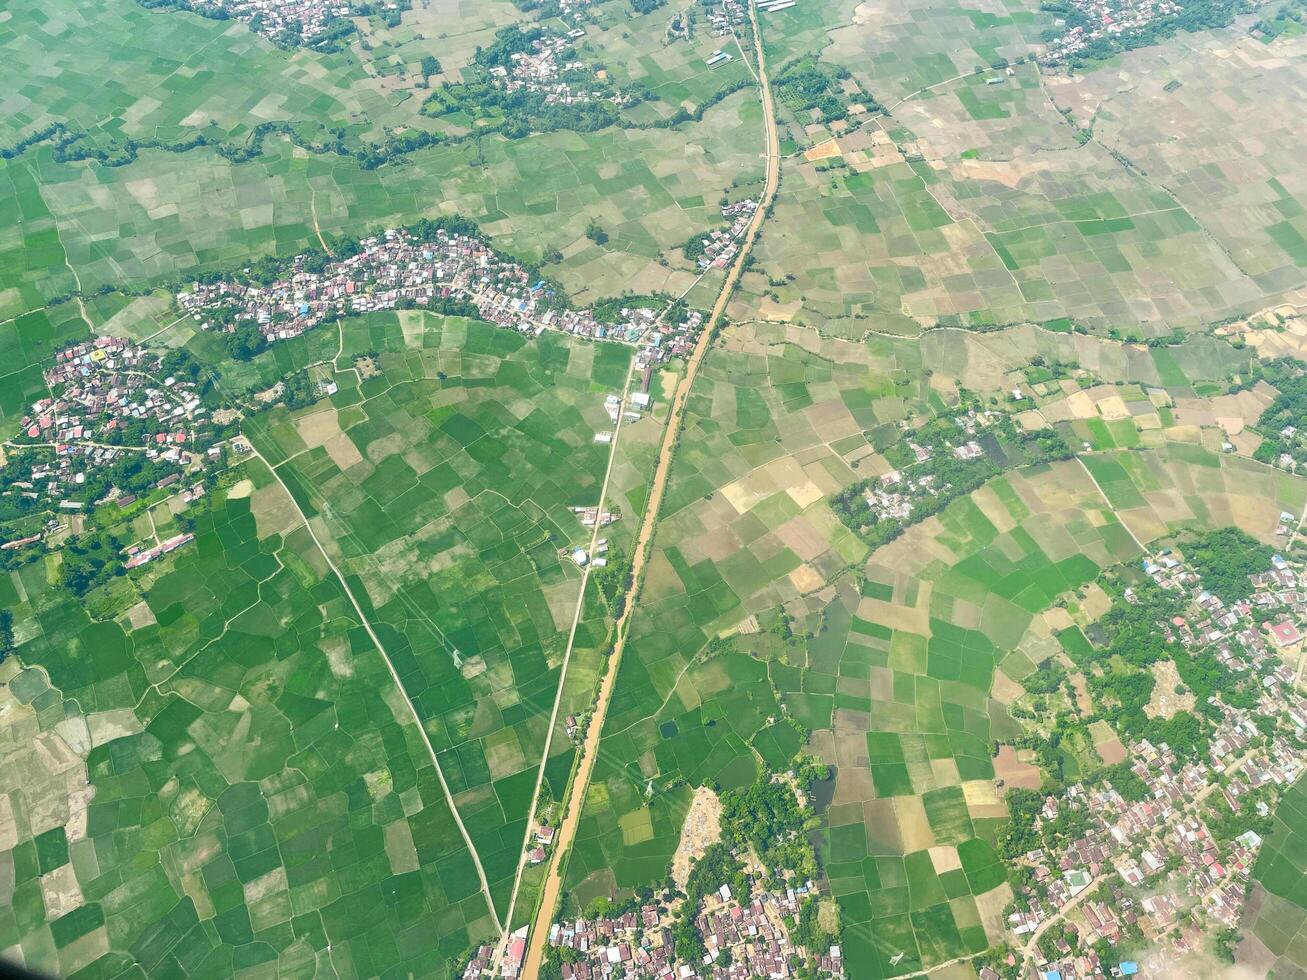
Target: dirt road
[(590, 748)]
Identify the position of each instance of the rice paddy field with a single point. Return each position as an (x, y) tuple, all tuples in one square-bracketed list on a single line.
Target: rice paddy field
[(1231, 168), (209, 770), (166, 216), (902, 49), (259, 795), (443, 488), (1275, 939), (996, 196), (212, 766), (633, 48), (892, 243), (900, 664), (118, 71)]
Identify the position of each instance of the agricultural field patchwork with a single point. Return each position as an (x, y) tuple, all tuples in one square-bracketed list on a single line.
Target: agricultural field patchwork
[(875, 238), (884, 666), (209, 768), (444, 487), (813, 639), (1278, 910)]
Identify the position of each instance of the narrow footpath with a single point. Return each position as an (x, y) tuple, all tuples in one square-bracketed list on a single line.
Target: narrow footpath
[(539, 933)]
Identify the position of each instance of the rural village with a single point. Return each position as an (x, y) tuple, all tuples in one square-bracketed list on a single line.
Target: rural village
[(1097, 21), (1151, 870), (551, 69), (745, 937), (116, 409), (398, 270), (897, 493), (298, 21), (252, 754)]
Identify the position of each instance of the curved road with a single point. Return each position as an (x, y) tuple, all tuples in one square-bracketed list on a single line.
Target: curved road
[(590, 748)]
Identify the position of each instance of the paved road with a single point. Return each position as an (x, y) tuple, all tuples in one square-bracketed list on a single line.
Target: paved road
[(590, 748)]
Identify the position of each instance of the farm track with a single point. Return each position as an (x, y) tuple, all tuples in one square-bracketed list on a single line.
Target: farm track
[(566, 836)]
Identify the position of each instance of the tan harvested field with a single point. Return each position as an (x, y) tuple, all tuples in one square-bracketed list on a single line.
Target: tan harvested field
[(914, 828), (991, 905), (1013, 770), (43, 780), (1106, 744), (1200, 139), (1005, 690), (945, 858), (983, 800), (823, 151)]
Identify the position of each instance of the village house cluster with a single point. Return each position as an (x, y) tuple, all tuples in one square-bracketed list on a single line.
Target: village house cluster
[(1290, 436), (303, 20), (895, 495), (753, 932), (551, 69), (721, 244), (639, 943), (573, 10), (1106, 19), (111, 400), (398, 269), (1154, 865), (726, 16)]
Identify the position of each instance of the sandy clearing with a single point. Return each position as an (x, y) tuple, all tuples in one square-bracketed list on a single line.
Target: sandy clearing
[(1164, 701), (702, 827)]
